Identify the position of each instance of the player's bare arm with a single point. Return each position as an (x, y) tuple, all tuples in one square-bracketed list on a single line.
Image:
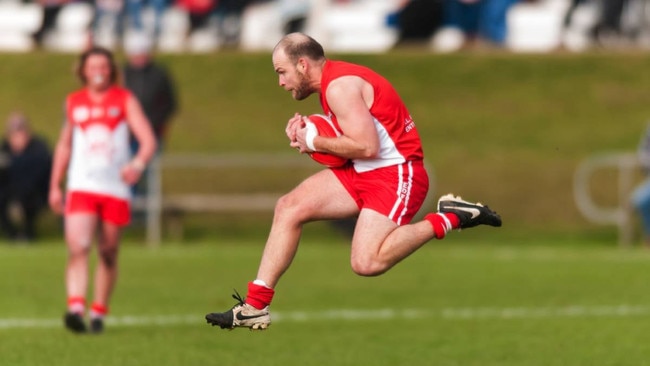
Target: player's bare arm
[(59, 166), (350, 99), (141, 129)]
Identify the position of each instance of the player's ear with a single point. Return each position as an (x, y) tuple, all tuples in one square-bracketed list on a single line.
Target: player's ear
[(302, 65)]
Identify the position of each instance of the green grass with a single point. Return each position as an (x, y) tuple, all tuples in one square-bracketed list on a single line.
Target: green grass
[(548, 288), (472, 299), (509, 130)]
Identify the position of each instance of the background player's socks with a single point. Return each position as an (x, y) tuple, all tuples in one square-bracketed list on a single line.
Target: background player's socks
[(98, 310), (76, 305), (97, 313)]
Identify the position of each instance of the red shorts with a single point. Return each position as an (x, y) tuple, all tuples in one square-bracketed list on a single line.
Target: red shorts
[(108, 208), (396, 191)]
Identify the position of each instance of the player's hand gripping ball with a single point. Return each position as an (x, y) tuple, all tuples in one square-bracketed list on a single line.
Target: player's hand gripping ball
[(325, 128)]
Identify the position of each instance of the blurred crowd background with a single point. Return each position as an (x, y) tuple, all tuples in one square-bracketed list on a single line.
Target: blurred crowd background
[(341, 25)]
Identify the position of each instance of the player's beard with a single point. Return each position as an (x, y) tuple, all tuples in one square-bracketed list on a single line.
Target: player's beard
[(303, 89)]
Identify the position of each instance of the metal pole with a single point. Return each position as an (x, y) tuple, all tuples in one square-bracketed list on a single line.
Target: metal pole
[(154, 202)]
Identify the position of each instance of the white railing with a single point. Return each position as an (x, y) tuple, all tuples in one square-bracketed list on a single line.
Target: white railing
[(627, 167), (155, 204)]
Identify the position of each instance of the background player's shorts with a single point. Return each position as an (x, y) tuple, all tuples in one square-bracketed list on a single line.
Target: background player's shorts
[(396, 191), (108, 208)]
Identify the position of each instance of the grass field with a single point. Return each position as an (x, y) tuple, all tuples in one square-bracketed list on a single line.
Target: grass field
[(548, 288), (472, 299)]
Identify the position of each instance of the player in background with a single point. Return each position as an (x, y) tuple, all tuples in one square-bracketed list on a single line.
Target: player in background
[(384, 185), (94, 148)]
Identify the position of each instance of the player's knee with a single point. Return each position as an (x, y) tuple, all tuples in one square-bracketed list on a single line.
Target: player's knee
[(78, 246), (109, 260), (290, 207), (78, 254), (367, 267), (108, 256)]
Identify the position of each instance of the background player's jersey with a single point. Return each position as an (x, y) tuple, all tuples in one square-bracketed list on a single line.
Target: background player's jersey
[(100, 143), (399, 140)]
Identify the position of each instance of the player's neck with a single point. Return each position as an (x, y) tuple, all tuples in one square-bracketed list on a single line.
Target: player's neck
[(97, 94)]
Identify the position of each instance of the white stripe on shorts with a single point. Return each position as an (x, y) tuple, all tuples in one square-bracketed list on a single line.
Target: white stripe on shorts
[(407, 193)]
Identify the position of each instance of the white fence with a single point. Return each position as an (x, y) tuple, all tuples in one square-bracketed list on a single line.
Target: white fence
[(627, 168), (156, 205)]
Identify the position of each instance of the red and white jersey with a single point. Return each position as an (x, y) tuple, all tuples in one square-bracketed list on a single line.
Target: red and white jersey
[(399, 140), (100, 142)]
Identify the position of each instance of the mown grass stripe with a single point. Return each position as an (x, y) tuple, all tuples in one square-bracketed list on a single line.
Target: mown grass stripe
[(575, 311)]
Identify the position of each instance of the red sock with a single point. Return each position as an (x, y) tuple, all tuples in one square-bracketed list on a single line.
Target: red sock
[(98, 310), (258, 296), (76, 304), (442, 223)]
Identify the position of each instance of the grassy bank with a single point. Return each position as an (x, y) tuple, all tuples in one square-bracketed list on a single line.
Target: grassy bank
[(506, 129)]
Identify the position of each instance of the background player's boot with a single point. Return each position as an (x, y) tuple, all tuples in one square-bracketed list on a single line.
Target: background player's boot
[(97, 325), (74, 322), (469, 214), (241, 315)]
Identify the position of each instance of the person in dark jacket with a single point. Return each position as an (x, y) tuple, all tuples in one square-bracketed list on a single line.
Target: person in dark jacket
[(150, 82), (25, 164), (154, 87)]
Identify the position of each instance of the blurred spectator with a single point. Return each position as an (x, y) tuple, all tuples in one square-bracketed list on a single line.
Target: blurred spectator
[(134, 9), (51, 9), (199, 12), (154, 88), (608, 30), (108, 21), (294, 14), (25, 163), (150, 82), (482, 20), (641, 195), (228, 15), (568, 15), (417, 20)]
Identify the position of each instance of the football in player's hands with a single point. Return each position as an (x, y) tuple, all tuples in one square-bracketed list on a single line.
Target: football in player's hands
[(321, 125)]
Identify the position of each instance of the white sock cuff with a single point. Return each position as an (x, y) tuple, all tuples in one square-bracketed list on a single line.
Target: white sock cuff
[(446, 220), (260, 283), (77, 308)]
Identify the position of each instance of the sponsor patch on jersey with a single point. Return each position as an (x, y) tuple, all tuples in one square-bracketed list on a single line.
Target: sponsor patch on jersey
[(97, 112), (113, 112), (80, 114)]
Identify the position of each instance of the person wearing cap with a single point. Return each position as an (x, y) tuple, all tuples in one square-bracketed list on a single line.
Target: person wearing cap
[(25, 163)]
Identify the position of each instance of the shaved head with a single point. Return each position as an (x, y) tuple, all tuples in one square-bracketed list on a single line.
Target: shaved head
[(297, 45)]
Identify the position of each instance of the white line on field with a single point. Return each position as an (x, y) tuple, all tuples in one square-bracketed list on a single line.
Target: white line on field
[(575, 311)]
